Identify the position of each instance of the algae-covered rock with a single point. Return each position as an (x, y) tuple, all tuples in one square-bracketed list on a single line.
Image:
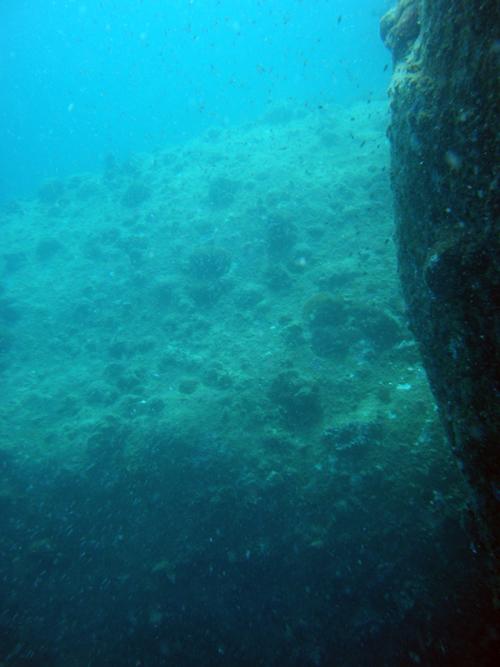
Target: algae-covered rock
[(6, 339), (382, 330), (135, 195), (51, 192), (298, 400), (400, 27), (281, 235), (444, 151), (278, 279), (293, 335), (188, 385), (218, 377), (164, 294), (14, 261), (325, 310), (206, 269), (222, 191), (209, 263), (9, 313), (47, 248), (354, 438), (336, 325)]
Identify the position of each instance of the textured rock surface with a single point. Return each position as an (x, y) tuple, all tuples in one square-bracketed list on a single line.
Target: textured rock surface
[(444, 103)]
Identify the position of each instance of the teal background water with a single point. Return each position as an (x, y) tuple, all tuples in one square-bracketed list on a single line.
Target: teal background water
[(83, 79)]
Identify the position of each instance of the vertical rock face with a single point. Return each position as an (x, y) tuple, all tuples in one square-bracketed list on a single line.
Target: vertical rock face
[(445, 118)]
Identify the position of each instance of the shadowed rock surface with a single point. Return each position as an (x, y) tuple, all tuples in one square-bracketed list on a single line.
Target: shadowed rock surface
[(444, 102)]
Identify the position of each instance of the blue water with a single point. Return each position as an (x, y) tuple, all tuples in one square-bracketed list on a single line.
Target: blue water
[(82, 79)]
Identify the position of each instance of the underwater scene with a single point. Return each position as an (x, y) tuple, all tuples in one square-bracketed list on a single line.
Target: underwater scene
[(218, 446)]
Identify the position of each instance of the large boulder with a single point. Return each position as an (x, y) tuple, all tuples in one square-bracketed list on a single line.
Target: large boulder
[(445, 118)]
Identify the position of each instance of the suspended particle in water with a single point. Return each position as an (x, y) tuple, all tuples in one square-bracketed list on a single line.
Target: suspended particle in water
[(453, 160)]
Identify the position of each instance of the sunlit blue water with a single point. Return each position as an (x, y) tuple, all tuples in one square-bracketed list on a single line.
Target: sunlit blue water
[(82, 79)]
